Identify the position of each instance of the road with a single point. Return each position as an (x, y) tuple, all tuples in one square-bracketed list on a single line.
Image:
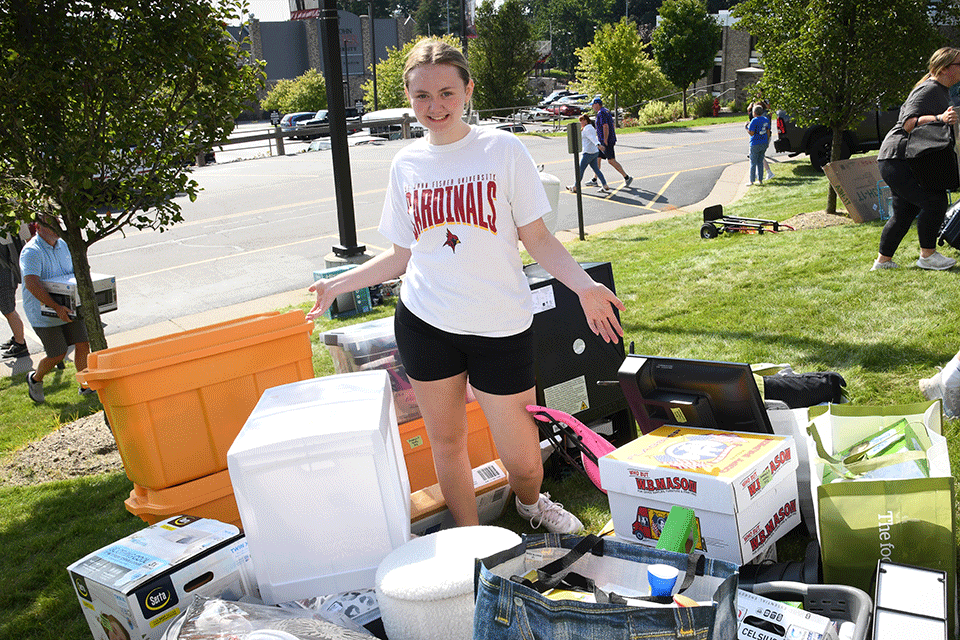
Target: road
[(261, 227)]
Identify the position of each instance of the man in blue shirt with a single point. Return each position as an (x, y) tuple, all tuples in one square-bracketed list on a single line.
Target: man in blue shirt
[(759, 130), (607, 136), (46, 256)]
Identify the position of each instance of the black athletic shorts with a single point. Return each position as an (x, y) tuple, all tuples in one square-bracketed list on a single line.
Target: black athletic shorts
[(498, 366), (607, 153)]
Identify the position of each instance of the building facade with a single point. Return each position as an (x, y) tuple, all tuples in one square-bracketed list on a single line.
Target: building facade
[(290, 48)]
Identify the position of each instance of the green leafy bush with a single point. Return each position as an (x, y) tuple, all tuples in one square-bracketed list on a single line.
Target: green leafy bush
[(656, 112), (702, 106), (304, 93)]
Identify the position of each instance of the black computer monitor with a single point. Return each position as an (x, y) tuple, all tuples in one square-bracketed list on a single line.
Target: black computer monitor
[(692, 393)]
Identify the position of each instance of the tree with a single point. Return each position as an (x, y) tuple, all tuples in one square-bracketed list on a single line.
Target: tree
[(573, 25), (436, 18), (102, 104), (616, 66), (390, 76), (502, 56), (307, 92), (827, 62), (685, 43)]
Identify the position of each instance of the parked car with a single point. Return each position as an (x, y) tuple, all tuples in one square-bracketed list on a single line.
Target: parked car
[(816, 141), (574, 98), (322, 117), (535, 114), (515, 127), (554, 96), (288, 123), (565, 110), (384, 123)]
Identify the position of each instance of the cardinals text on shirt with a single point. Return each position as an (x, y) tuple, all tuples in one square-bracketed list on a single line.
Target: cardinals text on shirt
[(465, 200)]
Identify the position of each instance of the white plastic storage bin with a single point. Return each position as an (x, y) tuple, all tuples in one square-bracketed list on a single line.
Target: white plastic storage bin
[(321, 486), (370, 346)]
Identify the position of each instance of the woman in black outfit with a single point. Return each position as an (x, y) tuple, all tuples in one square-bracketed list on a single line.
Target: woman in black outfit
[(929, 101)]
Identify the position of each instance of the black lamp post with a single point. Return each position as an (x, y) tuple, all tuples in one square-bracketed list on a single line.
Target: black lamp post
[(343, 185)]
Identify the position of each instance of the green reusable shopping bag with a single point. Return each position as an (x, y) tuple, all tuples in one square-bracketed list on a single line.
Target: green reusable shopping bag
[(909, 521)]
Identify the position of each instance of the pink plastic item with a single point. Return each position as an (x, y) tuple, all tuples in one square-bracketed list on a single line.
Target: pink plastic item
[(591, 445)]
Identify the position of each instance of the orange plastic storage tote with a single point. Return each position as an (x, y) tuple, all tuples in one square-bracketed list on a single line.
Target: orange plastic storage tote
[(418, 454), (207, 497), (176, 403)]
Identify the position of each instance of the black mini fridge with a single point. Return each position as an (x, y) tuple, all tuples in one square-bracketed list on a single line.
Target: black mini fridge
[(573, 362)]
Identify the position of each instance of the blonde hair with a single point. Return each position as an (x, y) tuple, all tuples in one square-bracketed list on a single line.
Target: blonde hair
[(432, 51), (939, 61)]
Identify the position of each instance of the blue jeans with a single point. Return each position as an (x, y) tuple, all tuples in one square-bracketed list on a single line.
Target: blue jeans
[(757, 151), (506, 610), (590, 160)]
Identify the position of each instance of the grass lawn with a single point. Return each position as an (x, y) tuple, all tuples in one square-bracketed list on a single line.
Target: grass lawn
[(806, 298)]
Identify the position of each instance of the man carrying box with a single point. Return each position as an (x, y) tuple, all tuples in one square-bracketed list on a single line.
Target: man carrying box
[(45, 256)]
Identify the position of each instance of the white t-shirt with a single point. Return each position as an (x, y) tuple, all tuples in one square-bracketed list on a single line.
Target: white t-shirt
[(457, 208)]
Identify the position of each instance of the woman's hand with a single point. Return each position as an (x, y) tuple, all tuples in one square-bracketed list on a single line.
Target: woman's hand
[(325, 298), (949, 116), (598, 304)]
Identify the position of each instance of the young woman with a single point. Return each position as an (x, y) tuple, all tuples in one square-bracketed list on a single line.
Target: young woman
[(928, 102), (588, 140), (457, 203)]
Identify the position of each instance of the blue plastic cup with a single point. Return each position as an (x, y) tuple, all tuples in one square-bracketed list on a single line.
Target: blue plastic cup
[(662, 578)]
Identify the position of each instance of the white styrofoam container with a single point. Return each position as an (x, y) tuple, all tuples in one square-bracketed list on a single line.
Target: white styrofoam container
[(742, 488), (321, 485)]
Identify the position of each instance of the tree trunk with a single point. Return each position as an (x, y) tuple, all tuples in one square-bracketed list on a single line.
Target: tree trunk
[(684, 94), (88, 300), (836, 147)]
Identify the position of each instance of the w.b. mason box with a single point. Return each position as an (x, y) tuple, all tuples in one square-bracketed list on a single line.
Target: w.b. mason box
[(742, 488), (136, 586)]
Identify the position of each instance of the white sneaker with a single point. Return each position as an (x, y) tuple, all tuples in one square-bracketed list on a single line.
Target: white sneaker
[(550, 514), (591, 183), (889, 264), (769, 174), (936, 261), (605, 189)]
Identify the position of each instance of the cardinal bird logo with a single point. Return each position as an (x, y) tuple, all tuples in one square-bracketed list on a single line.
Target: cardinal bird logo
[(452, 241)]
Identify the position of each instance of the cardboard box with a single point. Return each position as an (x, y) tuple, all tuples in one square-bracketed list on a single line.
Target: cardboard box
[(855, 181), (136, 586), (760, 618), (64, 291), (742, 487), (429, 511), (418, 451)]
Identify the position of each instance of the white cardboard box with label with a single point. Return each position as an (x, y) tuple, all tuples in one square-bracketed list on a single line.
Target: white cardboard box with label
[(429, 511), (741, 486), (760, 618), (136, 586)]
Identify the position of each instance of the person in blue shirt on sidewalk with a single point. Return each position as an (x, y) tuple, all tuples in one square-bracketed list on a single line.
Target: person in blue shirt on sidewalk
[(759, 130), (46, 256)]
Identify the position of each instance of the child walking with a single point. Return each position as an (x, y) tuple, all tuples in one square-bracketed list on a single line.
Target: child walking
[(457, 203)]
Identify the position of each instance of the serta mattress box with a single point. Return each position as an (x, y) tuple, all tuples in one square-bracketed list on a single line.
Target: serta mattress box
[(136, 586)]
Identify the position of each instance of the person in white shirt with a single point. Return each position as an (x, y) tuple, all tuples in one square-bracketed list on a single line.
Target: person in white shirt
[(457, 203), (590, 151)]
